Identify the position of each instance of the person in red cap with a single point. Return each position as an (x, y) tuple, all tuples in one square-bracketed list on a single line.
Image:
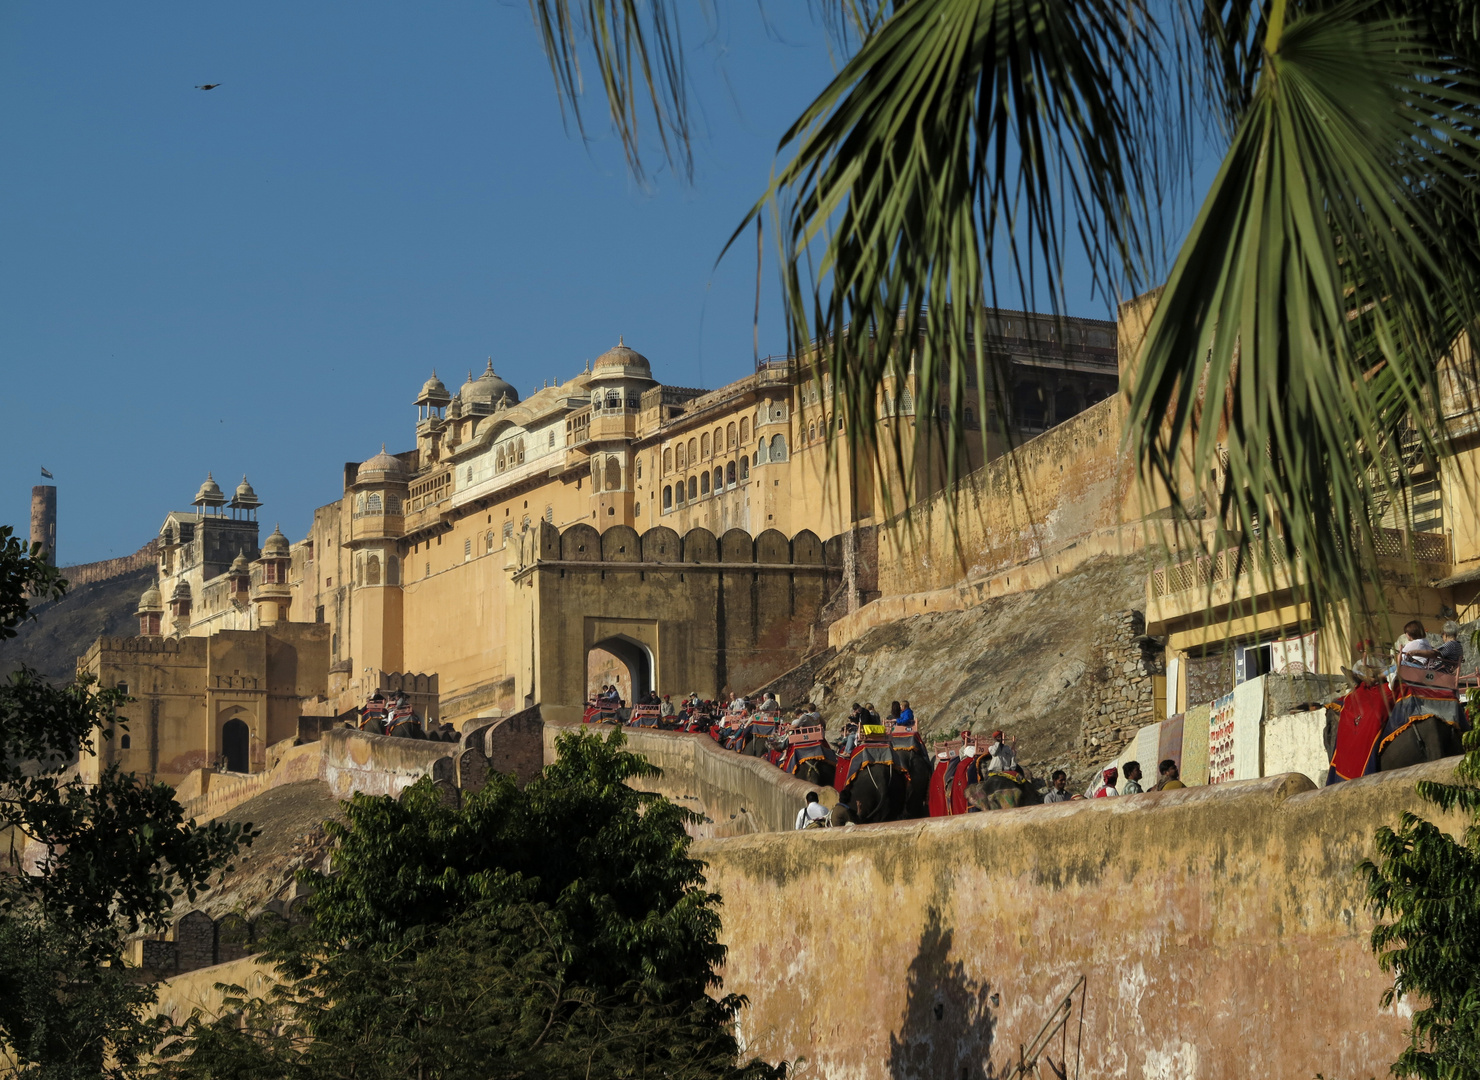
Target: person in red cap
[(1000, 756), (1106, 787)]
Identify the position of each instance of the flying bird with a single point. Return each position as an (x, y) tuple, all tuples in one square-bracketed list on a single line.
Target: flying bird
[(208, 86)]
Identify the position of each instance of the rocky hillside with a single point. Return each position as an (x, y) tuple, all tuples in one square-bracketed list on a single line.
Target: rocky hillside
[(1016, 662), (63, 630)]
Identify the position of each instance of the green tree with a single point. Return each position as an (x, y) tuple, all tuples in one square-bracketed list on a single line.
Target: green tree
[(968, 150), (1428, 884), (106, 860), (561, 930)]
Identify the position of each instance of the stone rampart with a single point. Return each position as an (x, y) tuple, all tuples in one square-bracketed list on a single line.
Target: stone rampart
[(738, 794), (379, 765), (1221, 931), (107, 569)]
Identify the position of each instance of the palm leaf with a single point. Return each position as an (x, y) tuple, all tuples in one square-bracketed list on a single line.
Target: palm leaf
[(965, 141), (637, 47), (1301, 328)]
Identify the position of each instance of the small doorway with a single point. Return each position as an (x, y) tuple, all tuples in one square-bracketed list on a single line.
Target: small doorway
[(236, 742)]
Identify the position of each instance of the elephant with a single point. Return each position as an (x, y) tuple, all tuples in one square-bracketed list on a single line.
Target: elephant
[(815, 770), (1002, 791), (916, 766), (877, 793), (1424, 738)]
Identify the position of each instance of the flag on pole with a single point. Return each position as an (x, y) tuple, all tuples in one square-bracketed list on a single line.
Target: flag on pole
[(46, 473)]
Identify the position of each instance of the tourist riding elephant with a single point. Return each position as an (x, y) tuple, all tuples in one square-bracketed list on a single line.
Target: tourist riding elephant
[(1002, 791)]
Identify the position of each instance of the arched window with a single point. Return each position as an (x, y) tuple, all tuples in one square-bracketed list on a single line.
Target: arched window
[(719, 441), (552, 438), (778, 447), (730, 475), (704, 483), (639, 468), (372, 504), (693, 488), (744, 466), (392, 504), (667, 461), (730, 435), (468, 476), (613, 474), (550, 514), (372, 570), (499, 460), (704, 445), (488, 542), (719, 478), (360, 504), (762, 452), (525, 523), (744, 430), (392, 570), (519, 451), (678, 493), (124, 742), (508, 529), (667, 496), (683, 457), (693, 451), (613, 401), (812, 432), (906, 402)]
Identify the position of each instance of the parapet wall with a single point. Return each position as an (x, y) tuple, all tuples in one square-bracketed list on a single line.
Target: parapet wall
[(739, 795), (107, 569), (1221, 930)]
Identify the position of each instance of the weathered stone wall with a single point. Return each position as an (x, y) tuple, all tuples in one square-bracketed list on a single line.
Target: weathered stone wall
[(1222, 932), (739, 795), (1122, 688), (378, 764)]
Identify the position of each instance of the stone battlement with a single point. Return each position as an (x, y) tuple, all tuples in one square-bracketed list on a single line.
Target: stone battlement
[(107, 569)]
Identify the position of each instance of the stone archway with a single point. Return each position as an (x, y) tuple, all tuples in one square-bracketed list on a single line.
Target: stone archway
[(632, 655)]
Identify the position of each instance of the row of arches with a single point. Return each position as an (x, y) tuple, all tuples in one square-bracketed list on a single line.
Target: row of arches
[(606, 475), (622, 543), (369, 570), (724, 478), (507, 456), (721, 440), (373, 504)]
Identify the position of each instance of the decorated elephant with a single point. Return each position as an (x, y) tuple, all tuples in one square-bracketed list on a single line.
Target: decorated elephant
[(877, 793), (1002, 791)]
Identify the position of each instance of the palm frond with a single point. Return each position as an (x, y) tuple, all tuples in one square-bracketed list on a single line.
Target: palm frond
[(637, 48), (961, 153), (1301, 328)]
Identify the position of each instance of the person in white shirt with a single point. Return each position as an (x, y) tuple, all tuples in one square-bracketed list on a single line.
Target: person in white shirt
[(1000, 756), (812, 815)]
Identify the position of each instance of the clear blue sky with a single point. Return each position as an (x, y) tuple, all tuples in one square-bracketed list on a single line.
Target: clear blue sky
[(257, 279)]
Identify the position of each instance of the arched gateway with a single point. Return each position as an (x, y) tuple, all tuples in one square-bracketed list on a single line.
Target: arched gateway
[(677, 614)]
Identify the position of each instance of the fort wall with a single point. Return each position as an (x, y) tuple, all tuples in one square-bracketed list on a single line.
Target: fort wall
[(107, 569), (738, 795), (1203, 920)]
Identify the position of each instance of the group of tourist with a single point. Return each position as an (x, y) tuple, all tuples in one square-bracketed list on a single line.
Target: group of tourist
[(1110, 783), (396, 717)]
